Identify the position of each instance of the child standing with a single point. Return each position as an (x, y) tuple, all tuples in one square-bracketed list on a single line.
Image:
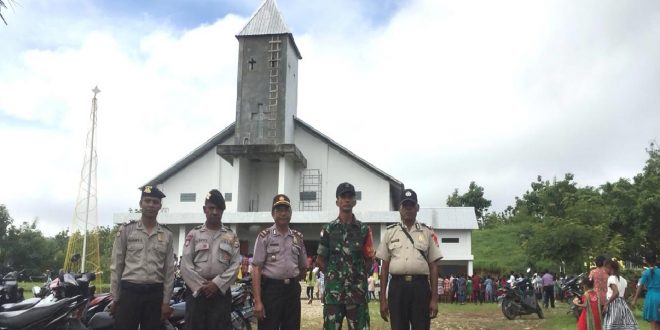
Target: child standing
[(590, 303)]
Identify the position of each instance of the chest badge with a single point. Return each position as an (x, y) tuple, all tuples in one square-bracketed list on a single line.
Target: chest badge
[(160, 237), (273, 257), (421, 238)]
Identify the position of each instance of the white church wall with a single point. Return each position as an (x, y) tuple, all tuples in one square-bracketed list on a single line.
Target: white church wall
[(456, 251), (336, 168), (197, 178)]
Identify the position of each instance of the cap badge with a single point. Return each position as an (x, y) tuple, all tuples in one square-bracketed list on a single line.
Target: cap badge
[(408, 194), (147, 189), (208, 196), (281, 198)]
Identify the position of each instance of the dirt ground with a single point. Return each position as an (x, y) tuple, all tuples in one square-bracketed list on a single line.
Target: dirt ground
[(488, 316)]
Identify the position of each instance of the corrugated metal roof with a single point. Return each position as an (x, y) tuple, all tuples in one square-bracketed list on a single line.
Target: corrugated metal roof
[(449, 217), (266, 20)]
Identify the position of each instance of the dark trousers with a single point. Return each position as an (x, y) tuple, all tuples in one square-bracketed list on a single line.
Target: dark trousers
[(208, 313), (409, 303), (549, 293), (310, 292), (281, 305), (140, 305)]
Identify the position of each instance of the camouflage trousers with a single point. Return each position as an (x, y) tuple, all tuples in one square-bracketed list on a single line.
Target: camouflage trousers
[(357, 316)]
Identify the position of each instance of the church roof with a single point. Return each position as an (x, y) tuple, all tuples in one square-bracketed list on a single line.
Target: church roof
[(266, 20), (228, 132)]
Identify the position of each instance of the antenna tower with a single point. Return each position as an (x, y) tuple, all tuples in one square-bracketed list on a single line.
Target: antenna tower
[(82, 252)]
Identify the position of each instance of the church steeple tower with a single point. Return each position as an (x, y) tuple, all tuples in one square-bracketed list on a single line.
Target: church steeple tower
[(267, 79)]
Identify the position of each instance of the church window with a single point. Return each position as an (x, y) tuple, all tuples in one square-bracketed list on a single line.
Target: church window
[(251, 64), (188, 197), (308, 195), (358, 195), (227, 197)]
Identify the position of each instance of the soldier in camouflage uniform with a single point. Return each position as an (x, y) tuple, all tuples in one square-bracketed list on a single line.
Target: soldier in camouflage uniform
[(345, 255)]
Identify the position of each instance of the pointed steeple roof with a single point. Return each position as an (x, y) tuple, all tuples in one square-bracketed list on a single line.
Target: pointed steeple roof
[(266, 20)]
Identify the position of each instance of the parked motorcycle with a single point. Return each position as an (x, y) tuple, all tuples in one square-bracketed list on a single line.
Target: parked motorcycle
[(571, 289), (519, 299), (242, 305), (62, 308), (242, 308), (9, 290)]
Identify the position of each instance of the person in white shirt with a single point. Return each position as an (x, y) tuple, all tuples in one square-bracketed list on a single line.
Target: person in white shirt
[(616, 311)]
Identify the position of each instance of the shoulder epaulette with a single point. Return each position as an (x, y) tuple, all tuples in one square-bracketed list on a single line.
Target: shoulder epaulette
[(392, 225), (263, 233), (427, 226), (297, 233), (165, 226), (227, 228), (126, 224), (198, 227)]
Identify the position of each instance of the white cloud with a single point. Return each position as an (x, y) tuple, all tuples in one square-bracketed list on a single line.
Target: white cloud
[(440, 94)]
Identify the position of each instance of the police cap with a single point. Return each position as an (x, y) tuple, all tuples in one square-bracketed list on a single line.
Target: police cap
[(408, 195), (281, 199), (345, 188)]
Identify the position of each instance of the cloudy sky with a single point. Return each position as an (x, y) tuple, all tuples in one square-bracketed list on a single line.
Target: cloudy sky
[(436, 93)]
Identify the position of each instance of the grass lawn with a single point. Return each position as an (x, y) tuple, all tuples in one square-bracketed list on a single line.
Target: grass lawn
[(469, 316)]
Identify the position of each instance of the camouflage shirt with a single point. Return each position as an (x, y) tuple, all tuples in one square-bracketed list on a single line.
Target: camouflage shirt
[(346, 249)]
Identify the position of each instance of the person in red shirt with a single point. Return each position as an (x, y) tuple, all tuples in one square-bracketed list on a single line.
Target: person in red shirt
[(599, 276), (476, 289)]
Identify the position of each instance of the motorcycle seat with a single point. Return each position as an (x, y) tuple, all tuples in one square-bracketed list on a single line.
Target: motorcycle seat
[(179, 311), (23, 318), (25, 304), (101, 320)]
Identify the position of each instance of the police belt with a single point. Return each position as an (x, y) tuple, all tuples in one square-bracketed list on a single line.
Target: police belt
[(142, 288), (286, 281), (410, 278)]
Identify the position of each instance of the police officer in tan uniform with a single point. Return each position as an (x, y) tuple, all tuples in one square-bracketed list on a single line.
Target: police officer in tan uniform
[(409, 251), (209, 266), (279, 262), (142, 269)]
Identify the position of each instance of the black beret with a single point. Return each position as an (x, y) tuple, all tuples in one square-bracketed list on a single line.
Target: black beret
[(151, 191), (214, 196)]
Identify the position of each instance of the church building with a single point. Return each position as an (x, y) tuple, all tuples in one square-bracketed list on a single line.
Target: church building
[(269, 150)]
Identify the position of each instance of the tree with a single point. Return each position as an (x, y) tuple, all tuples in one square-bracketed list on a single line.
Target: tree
[(473, 197), (548, 198), (3, 5), (26, 248)]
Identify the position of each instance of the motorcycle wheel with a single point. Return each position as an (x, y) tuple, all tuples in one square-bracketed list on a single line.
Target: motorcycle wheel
[(508, 309), (539, 311)]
